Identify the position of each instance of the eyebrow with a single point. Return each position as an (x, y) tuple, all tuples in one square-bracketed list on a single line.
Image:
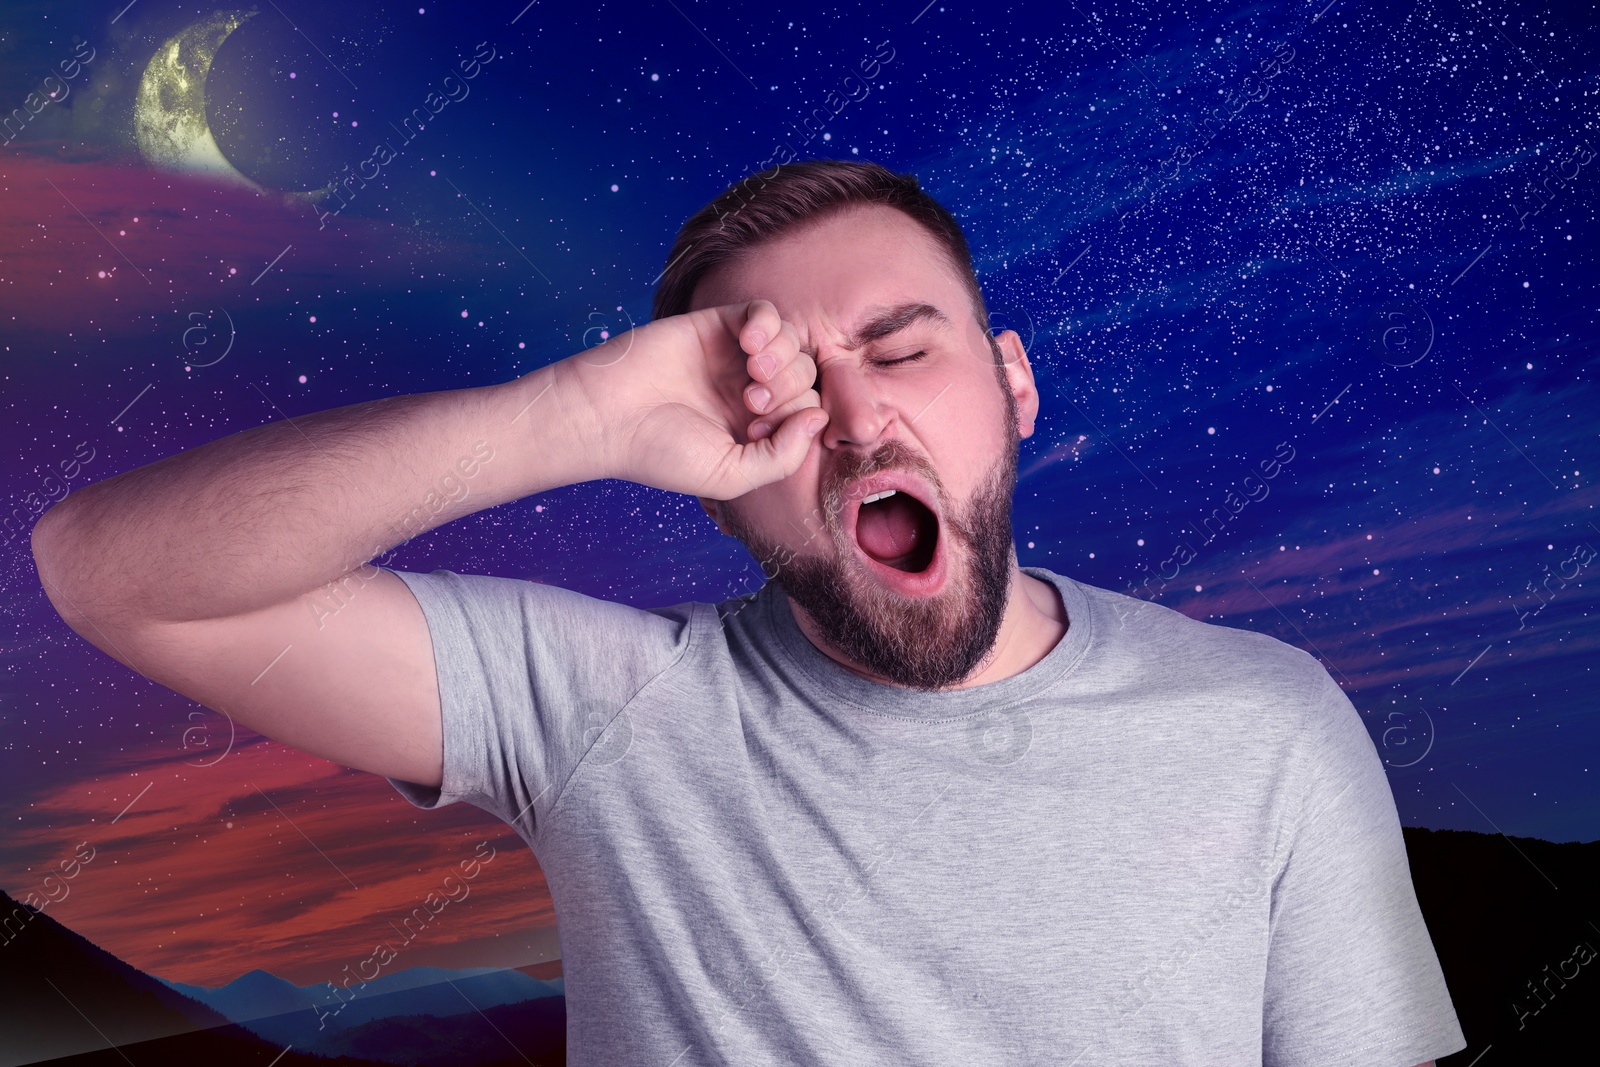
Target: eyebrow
[(889, 322)]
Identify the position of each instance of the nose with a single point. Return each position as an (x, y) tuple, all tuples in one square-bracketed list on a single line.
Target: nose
[(857, 414)]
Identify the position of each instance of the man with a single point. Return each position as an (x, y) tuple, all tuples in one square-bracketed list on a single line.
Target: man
[(908, 803)]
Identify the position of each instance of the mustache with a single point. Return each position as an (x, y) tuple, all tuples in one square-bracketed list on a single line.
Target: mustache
[(853, 466)]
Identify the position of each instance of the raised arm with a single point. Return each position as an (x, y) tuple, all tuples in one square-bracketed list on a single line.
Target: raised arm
[(237, 573)]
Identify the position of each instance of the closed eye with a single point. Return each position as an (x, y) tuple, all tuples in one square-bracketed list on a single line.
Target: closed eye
[(904, 359), (816, 382)]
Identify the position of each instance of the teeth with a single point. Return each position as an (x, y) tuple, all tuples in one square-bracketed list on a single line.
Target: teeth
[(880, 496)]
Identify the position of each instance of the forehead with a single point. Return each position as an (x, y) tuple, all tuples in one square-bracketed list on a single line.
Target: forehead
[(836, 268)]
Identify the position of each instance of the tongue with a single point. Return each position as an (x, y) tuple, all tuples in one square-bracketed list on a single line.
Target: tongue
[(887, 530)]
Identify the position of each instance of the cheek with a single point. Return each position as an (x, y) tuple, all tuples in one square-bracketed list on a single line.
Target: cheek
[(972, 431), (971, 450)]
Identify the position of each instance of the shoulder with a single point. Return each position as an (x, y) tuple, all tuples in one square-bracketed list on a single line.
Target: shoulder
[(1182, 647)]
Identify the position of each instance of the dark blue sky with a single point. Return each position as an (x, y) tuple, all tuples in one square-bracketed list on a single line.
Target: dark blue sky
[(1359, 236)]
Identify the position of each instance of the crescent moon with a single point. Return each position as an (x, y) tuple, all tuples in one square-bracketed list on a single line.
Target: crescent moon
[(169, 114)]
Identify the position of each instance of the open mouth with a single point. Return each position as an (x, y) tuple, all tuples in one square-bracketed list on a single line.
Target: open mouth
[(897, 530)]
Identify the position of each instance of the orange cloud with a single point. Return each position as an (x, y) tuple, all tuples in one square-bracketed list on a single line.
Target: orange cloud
[(274, 859)]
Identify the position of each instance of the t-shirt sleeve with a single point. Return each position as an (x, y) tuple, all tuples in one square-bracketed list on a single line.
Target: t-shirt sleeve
[(531, 677), (1352, 975)]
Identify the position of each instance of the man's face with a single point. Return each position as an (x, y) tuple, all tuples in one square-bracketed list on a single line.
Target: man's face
[(921, 604)]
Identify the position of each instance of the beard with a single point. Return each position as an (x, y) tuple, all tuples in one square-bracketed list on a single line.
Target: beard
[(927, 643)]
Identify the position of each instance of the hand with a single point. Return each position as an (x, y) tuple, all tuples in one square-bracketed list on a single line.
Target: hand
[(675, 408)]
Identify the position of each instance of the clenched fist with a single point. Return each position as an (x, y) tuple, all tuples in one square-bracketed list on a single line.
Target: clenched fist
[(713, 403)]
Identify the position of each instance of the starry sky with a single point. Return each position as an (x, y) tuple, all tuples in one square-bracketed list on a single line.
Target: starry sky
[(1356, 235)]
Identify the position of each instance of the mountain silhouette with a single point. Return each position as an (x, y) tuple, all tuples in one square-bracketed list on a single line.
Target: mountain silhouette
[(1509, 915), (69, 1003), (252, 995), (515, 1035), (307, 1017)]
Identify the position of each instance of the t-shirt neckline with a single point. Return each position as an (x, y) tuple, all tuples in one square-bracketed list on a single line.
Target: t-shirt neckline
[(913, 704)]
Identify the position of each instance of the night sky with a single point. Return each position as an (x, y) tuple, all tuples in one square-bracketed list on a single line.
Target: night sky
[(1358, 235)]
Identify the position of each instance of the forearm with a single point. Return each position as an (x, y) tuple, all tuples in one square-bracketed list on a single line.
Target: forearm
[(274, 512)]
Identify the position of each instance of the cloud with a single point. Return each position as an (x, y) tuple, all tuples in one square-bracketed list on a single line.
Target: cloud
[(177, 891), (101, 248), (1070, 448)]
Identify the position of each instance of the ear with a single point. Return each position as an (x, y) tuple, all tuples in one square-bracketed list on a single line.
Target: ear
[(1019, 377), (714, 509)]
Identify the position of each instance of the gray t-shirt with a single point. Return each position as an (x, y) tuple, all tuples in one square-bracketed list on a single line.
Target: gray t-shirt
[(1166, 842)]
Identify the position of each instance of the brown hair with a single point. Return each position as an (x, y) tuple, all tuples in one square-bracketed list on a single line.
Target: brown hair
[(772, 202)]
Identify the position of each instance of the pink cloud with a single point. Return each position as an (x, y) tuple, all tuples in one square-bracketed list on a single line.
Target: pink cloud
[(98, 247)]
